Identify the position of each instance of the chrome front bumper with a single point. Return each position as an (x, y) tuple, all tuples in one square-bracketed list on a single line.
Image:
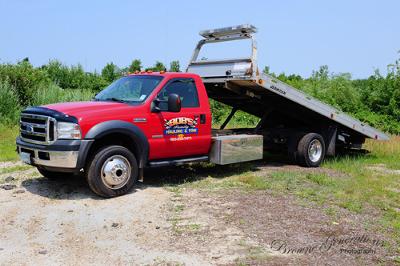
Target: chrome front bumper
[(61, 154), (58, 159)]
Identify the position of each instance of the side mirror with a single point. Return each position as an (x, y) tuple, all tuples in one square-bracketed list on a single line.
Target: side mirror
[(174, 103)]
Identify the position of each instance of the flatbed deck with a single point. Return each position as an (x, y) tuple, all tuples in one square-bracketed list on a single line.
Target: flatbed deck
[(238, 83)]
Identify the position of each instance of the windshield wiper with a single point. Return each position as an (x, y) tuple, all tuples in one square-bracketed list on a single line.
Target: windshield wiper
[(112, 99)]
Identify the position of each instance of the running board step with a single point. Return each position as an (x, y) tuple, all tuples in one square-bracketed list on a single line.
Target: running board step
[(178, 161)]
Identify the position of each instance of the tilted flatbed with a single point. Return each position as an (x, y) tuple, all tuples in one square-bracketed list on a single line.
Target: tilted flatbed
[(284, 110)]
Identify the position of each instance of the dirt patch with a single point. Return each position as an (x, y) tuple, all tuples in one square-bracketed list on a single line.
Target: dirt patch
[(277, 167), (383, 169), (62, 222), (162, 223), (9, 164), (287, 226), (260, 228)]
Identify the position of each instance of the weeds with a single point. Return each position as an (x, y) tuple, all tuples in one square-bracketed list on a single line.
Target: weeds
[(8, 135), (54, 94), (15, 169), (9, 104)]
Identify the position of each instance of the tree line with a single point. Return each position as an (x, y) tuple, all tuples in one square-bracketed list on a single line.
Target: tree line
[(374, 100)]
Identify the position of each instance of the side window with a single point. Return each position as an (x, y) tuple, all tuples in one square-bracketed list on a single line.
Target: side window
[(185, 88)]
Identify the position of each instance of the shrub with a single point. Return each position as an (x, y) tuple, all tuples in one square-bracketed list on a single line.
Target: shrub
[(158, 66), (174, 66), (74, 77), (110, 72), (385, 122), (54, 94), (219, 112), (9, 107), (24, 78), (136, 65), (375, 100), (77, 95)]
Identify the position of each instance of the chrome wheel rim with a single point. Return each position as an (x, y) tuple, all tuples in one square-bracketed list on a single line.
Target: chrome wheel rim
[(116, 172), (315, 150)]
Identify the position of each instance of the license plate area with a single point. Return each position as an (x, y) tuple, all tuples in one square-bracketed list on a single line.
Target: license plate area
[(25, 157)]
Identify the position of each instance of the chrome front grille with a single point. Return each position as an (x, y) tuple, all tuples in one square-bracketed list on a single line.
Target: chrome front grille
[(37, 128)]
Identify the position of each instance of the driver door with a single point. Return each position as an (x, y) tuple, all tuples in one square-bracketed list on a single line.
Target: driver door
[(179, 134)]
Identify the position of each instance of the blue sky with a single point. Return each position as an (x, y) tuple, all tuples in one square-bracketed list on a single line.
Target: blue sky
[(294, 36)]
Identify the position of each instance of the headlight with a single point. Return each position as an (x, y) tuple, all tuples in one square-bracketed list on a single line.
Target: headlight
[(67, 130)]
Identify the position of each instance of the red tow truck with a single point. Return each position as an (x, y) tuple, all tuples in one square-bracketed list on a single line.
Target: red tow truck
[(159, 119)]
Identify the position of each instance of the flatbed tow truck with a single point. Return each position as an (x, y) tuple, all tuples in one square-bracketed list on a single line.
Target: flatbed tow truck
[(285, 113), (152, 119)]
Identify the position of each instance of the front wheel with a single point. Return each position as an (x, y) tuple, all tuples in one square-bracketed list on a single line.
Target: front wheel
[(310, 150), (112, 171)]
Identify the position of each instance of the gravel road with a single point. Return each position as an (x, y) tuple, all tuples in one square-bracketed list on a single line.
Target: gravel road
[(48, 222), (61, 222)]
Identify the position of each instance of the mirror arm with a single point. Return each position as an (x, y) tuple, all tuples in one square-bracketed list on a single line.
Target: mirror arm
[(154, 107)]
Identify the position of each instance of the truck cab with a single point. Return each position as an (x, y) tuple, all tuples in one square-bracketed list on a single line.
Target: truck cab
[(173, 112), (138, 120)]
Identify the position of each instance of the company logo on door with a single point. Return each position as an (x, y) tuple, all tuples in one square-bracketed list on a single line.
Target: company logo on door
[(180, 125)]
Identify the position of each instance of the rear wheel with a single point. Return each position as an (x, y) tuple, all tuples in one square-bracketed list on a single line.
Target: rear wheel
[(310, 150), (112, 171)]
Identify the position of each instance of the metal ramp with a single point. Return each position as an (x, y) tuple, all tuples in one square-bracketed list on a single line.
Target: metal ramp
[(238, 83), (215, 70)]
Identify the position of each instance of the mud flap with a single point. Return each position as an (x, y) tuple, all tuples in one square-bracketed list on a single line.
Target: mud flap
[(141, 176), (330, 139)]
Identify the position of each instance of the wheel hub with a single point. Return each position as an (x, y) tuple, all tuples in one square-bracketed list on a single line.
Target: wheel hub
[(116, 172), (315, 150)]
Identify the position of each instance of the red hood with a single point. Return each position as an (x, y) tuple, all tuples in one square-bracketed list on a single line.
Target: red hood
[(95, 112), (82, 110)]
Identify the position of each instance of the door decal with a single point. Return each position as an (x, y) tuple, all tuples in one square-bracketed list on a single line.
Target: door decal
[(180, 126)]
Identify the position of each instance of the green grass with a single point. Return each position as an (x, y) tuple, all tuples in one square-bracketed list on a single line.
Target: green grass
[(7, 143), (367, 187), (357, 190), (15, 169), (254, 255), (350, 182)]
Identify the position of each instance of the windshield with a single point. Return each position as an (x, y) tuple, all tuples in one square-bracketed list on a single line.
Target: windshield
[(129, 89)]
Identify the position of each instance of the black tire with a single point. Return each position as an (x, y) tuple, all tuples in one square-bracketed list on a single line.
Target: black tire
[(104, 156), (305, 154), (53, 175)]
